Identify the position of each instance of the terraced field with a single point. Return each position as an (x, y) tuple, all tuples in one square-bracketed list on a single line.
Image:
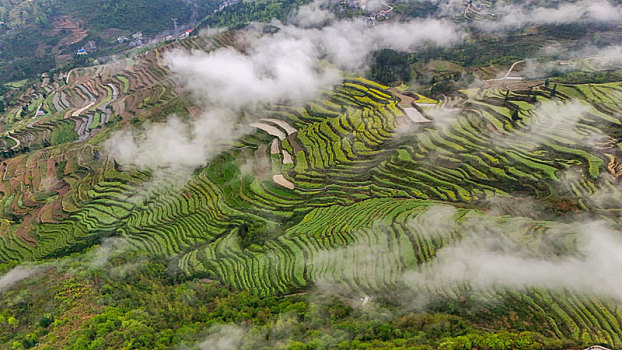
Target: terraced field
[(340, 191), (51, 159)]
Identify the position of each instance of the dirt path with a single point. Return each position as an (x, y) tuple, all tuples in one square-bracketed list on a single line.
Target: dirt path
[(404, 99), (17, 141), (81, 110), (466, 11), (68, 76), (507, 75), (428, 105)]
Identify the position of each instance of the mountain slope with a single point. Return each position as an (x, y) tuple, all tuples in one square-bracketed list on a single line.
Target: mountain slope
[(357, 191)]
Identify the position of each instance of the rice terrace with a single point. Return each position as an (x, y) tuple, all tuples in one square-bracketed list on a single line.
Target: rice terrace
[(316, 175)]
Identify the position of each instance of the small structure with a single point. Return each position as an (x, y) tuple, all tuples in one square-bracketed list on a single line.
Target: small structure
[(40, 113), (138, 36), (122, 38), (81, 52), (384, 14), (186, 34), (371, 21), (136, 43)]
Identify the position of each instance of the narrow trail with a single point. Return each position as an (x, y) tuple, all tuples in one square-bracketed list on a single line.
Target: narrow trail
[(35, 119), (466, 11), (81, 110), (17, 141), (507, 75), (68, 76)]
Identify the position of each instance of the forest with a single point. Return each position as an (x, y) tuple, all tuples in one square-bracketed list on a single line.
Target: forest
[(33, 34)]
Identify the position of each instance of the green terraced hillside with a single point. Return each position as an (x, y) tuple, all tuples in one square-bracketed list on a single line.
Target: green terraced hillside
[(347, 191)]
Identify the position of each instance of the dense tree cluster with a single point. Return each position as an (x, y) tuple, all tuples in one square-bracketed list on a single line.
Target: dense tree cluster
[(245, 12), (389, 66)]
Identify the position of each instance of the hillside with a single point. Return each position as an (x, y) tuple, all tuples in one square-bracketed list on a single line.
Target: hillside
[(37, 36), (282, 226), (245, 189)]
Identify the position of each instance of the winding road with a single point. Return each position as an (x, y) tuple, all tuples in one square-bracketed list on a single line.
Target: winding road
[(17, 141), (507, 75)]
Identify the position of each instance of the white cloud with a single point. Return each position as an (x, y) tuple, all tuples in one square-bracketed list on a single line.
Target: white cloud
[(348, 43), (17, 274), (548, 120), (176, 146), (312, 15), (488, 257), (223, 337), (289, 66), (512, 16), (273, 69)]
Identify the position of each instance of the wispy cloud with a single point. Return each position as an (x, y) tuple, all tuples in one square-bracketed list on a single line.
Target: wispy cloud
[(512, 16), (487, 257), (18, 274), (223, 337)]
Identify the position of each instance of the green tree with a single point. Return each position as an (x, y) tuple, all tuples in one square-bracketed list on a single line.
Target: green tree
[(390, 66)]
